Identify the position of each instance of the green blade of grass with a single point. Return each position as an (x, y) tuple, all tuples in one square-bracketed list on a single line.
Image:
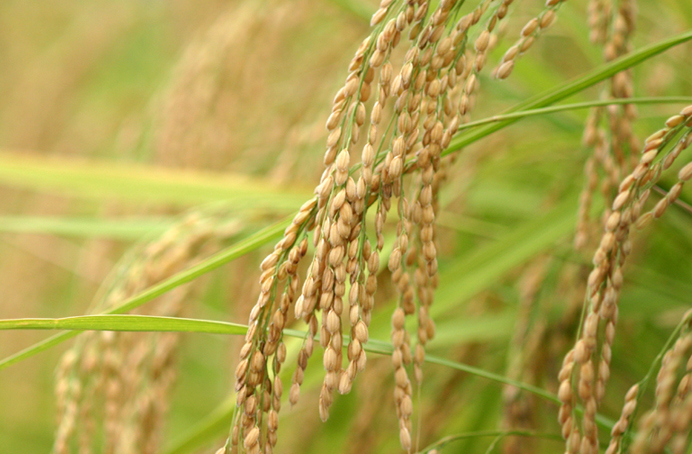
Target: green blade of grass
[(580, 105), (242, 247), (121, 322), (491, 376), (120, 229), (570, 88), (467, 224), (471, 274), (145, 323), (99, 180)]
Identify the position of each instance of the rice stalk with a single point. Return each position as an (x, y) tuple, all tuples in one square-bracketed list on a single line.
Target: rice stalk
[(412, 85)]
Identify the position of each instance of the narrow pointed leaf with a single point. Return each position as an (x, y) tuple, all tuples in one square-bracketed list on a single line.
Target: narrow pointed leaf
[(122, 322), (242, 247), (570, 88), (100, 180), (120, 229), (580, 105)]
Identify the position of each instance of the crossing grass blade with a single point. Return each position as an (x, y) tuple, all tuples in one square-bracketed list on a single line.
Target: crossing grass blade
[(130, 323), (82, 227), (570, 88), (581, 105), (469, 275), (148, 323), (214, 422), (244, 246), (136, 182)]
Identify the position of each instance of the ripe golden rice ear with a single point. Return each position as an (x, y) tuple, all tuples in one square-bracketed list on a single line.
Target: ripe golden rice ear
[(661, 426), (430, 73), (614, 145), (584, 366), (420, 96), (102, 367)]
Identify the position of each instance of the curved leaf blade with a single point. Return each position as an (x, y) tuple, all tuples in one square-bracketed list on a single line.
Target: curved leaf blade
[(229, 254), (570, 88)]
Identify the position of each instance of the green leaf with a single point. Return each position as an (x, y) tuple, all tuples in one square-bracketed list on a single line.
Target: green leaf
[(492, 376), (157, 323), (229, 254), (99, 180), (580, 105), (120, 322), (141, 323), (120, 229), (476, 272), (570, 88)]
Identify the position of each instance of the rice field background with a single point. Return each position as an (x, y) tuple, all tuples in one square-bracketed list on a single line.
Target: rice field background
[(138, 139)]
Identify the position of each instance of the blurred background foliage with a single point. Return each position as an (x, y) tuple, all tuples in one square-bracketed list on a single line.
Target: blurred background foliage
[(116, 117)]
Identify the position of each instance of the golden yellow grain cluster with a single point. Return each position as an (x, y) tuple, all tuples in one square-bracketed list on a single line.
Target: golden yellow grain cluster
[(113, 388), (413, 81), (398, 114), (667, 424), (613, 146), (586, 367)]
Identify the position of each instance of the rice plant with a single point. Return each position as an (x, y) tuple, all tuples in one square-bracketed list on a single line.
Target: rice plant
[(441, 279)]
